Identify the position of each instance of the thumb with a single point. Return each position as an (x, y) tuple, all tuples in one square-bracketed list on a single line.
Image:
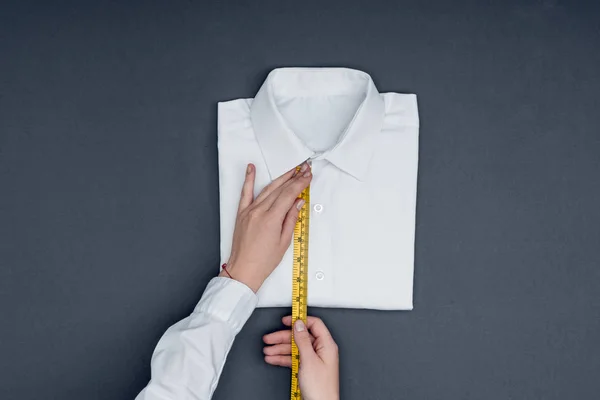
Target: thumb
[(302, 339)]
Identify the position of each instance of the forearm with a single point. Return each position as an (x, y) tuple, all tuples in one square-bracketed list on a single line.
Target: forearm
[(189, 358)]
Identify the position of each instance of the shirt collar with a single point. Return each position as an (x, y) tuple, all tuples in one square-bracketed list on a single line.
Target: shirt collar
[(282, 149)]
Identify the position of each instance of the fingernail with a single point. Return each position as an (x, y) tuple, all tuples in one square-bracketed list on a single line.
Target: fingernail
[(300, 204), (299, 325), (303, 167), (249, 169), (306, 174)]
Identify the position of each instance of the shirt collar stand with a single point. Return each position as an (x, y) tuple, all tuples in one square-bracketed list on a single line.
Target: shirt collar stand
[(282, 149)]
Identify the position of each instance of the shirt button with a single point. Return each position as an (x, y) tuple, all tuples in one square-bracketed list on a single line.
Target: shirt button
[(318, 208), (320, 275)]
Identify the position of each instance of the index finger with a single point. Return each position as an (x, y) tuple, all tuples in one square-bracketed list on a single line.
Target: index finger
[(278, 337), (277, 183), (282, 200)]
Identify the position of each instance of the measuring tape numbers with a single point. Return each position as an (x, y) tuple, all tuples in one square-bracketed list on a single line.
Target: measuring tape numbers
[(299, 283)]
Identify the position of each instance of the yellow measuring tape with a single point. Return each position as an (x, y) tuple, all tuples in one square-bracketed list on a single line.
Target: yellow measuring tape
[(299, 283)]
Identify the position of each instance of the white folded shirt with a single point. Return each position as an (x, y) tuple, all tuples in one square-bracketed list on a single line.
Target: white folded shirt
[(364, 151)]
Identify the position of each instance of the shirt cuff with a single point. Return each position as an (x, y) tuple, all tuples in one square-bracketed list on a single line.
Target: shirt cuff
[(228, 300)]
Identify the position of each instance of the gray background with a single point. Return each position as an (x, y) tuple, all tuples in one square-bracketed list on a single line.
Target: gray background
[(109, 191)]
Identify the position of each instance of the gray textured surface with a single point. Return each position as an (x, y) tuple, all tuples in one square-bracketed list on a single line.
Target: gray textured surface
[(109, 196)]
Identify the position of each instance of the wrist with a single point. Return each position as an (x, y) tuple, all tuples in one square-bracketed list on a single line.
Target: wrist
[(242, 275)]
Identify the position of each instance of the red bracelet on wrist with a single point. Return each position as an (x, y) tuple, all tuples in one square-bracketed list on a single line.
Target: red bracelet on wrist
[(224, 267)]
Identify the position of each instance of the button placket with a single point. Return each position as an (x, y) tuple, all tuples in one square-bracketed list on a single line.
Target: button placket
[(320, 257)]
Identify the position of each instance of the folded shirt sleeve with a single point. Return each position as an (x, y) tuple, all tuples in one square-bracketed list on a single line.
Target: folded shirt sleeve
[(189, 358)]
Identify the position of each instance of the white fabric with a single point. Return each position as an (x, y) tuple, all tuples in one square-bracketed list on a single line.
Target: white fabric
[(189, 358), (364, 151)]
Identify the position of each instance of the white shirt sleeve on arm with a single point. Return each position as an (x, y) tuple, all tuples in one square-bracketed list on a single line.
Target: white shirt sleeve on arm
[(189, 358)]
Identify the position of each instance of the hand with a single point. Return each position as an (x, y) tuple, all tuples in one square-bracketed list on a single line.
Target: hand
[(265, 225), (319, 371)]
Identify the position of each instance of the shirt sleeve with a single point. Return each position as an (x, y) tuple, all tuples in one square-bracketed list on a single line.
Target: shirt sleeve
[(189, 358)]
